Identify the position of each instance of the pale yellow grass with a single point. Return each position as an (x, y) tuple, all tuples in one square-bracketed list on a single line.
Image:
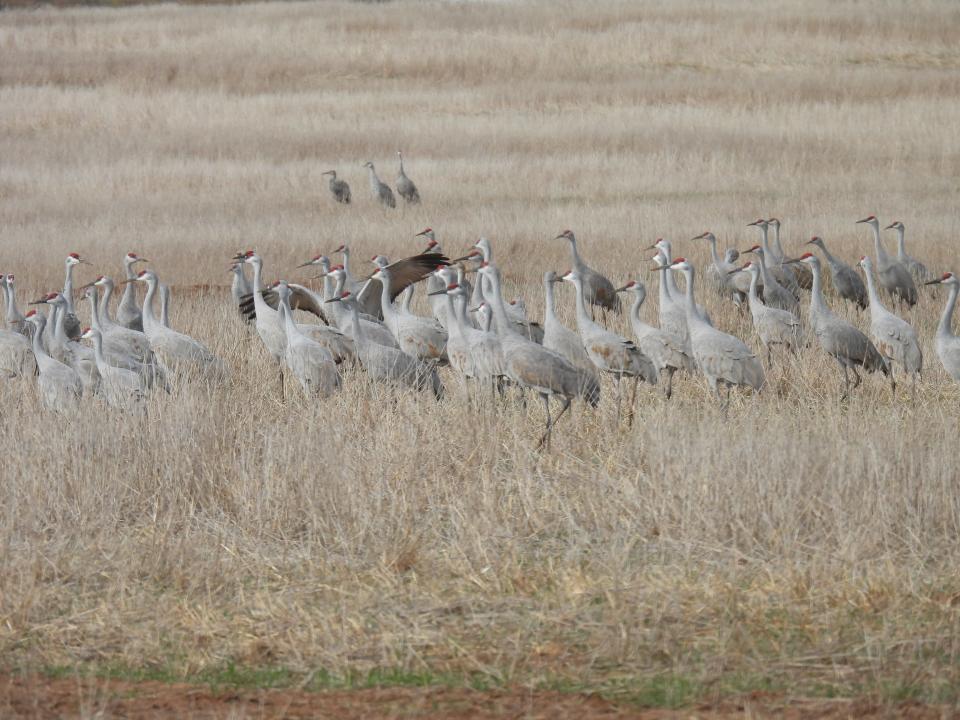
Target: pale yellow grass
[(800, 540)]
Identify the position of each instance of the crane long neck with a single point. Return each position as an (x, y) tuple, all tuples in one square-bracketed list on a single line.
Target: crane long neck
[(637, 304), (767, 280), (692, 313), (548, 307), (826, 253), (259, 304), (389, 311), (503, 326), (765, 238), (776, 243), (672, 289), (13, 312), (59, 327), (944, 329), (816, 289), (358, 336), (98, 350), (713, 251), (328, 288), (901, 246), (105, 302), (148, 316), (663, 290), (452, 313), (68, 287), (872, 290), (288, 324), (129, 297), (346, 261), (881, 251), (38, 348), (94, 309), (583, 320), (577, 262), (401, 162)]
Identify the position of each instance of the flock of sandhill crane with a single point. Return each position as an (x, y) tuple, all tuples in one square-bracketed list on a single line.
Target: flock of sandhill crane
[(380, 190), (368, 321)]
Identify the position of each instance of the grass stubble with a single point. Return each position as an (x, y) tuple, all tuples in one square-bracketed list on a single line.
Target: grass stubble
[(800, 543)]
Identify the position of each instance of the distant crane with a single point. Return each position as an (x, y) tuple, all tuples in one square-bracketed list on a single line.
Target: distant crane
[(667, 354), (893, 337), (70, 352), (16, 320), (381, 191), (405, 186), (722, 358), (611, 353), (838, 338), (128, 313), (893, 276), (845, 279), (917, 269), (948, 344), (338, 188), (597, 289), (775, 295), (529, 365)]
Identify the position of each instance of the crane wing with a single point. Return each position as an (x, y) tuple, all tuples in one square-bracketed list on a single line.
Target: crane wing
[(302, 298), (403, 274)]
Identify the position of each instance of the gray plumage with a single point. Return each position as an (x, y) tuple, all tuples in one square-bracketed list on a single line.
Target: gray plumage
[(419, 337), (406, 188), (894, 337), (722, 358), (120, 388), (838, 338), (948, 344), (389, 364), (338, 188), (239, 287), (790, 273), (532, 366), (917, 269), (59, 385), (128, 312), (892, 275), (16, 320), (774, 260), (16, 356), (774, 326), (597, 289), (561, 339), (844, 278), (311, 363), (718, 274), (775, 295), (667, 354), (381, 191)]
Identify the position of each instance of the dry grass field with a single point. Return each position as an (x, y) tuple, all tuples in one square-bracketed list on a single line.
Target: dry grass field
[(800, 545)]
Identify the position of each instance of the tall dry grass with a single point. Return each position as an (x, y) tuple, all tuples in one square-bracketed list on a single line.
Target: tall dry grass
[(800, 539)]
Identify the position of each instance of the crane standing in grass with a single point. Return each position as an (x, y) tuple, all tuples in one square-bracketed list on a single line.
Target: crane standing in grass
[(845, 279), (338, 188), (774, 326), (894, 277), (381, 191), (597, 289), (917, 269), (948, 344), (406, 188), (838, 338)]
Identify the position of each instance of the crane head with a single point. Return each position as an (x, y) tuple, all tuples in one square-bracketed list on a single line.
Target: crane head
[(329, 172), (815, 240), (87, 333), (870, 220), (425, 232), (895, 225), (755, 249), (703, 235), (773, 221), (345, 295), (431, 245), (948, 278), (448, 289), (315, 260), (629, 286), (807, 257), (75, 259), (759, 222), (368, 164), (133, 258), (679, 263), (566, 235), (31, 314)]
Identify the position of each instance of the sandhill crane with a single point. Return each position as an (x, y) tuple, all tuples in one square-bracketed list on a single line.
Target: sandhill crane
[(485, 350), (432, 245), (434, 282), (722, 358), (458, 349), (561, 339), (311, 363), (353, 284), (438, 280), (772, 260), (661, 347), (718, 272), (917, 269), (128, 312), (844, 278), (123, 347), (389, 364), (672, 313), (838, 338), (16, 356), (71, 322), (405, 186), (532, 366), (893, 337), (338, 188), (374, 330), (792, 281), (774, 326), (70, 352), (239, 287), (775, 295), (120, 388), (177, 352), (106, 283), (381, 192), (612, 354), (419, 337), (892, 275), (59, 385), (16, 320), (597, 289), (674, 291), (948, 344)]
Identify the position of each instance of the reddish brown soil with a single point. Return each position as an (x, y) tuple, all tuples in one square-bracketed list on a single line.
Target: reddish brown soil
[(39, 697)]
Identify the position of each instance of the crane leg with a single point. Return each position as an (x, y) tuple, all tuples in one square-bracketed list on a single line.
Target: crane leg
[(669, 391), (545, 440), (633, 400), (769, 357), (856, 377), (846, 383), (283, 393), (618, 399)]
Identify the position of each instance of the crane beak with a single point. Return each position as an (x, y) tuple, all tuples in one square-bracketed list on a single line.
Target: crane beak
[(795, 261), (862, 221), (84, 287), (734, 271), (306, 264), (336, 299), (890, 226), (651, 247), (933, 282), (699, 237), (437, 292), (661, 267), (620, 289)]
